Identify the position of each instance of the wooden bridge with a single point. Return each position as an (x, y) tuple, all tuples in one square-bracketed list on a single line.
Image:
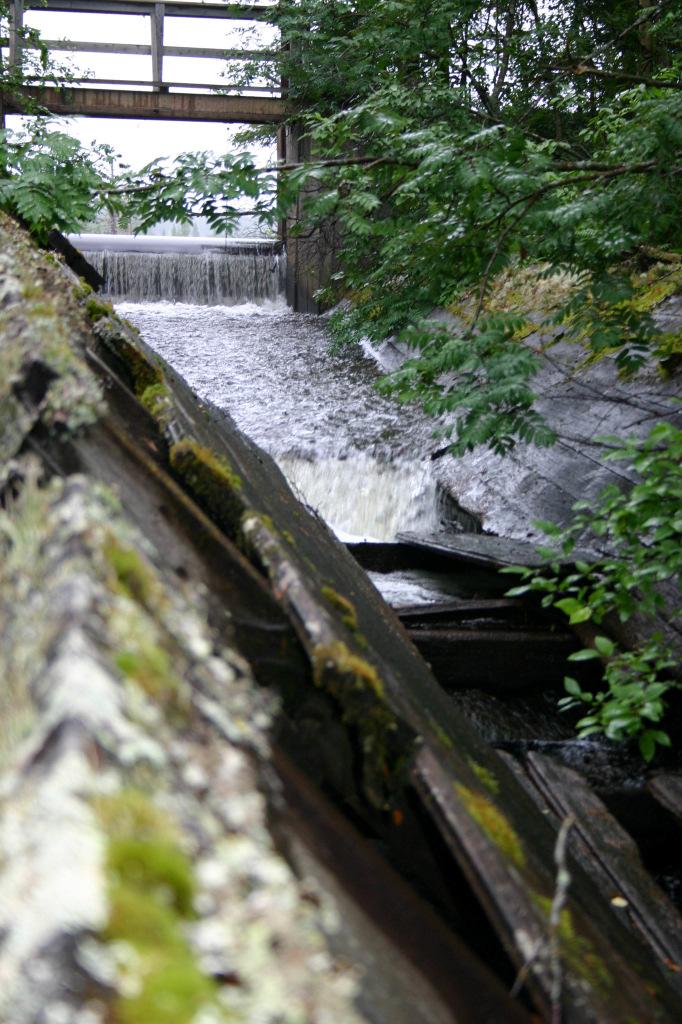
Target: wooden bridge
[(156, 98)]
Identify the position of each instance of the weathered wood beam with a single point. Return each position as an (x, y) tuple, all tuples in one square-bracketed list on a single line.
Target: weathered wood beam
[(16, 18), (232, 12), (140, 49), (667, 791), (145, 83), (174, 106), (606, 851), (156, 25), (501, 659), (601, 971)]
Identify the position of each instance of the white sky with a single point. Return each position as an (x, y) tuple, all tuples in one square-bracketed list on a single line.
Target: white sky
[(139, 142)]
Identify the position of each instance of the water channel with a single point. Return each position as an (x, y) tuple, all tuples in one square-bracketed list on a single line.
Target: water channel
[(360, 459)]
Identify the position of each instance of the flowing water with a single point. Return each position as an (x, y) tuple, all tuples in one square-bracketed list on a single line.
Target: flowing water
[(360, 459), (206, 272)]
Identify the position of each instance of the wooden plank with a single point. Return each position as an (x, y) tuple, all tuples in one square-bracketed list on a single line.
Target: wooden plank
[(156, 106), (234, 11), (607, 973), (453, 611), (478, 548), (156, 26), (495, 659), (667, 790), (139, 49), (219, 54), (16, 21), (610, 855), (395, 557), (145, 82)]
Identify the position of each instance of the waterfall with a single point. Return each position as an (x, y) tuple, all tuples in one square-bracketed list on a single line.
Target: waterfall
[(200, 271), (361, 498)]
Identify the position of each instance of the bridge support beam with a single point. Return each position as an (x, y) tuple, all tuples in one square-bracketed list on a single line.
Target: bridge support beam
[(157, 47), (311, 257), (16, 22), (158, 106)]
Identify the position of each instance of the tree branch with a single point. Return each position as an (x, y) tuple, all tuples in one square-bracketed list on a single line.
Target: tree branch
[(617, 76)]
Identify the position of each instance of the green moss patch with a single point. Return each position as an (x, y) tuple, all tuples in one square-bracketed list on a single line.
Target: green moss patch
[(151, 892), (443, 737), (576, 951), (493, 823), (97, 309), (134, 578), (485, 776), (150, 667), (341, 604), (212, 481), (130, 812), (357, 688), (155, 398), (155, 866)]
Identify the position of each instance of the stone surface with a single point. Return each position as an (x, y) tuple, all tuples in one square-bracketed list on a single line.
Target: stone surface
[(123, 708)]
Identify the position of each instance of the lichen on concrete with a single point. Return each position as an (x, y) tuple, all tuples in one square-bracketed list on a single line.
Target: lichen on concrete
[(43, 375), (140, 881)]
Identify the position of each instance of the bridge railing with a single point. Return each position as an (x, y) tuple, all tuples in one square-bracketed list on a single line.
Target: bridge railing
[(156, 49)]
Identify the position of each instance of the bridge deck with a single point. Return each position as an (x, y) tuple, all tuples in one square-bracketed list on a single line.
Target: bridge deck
[(159, 106), (174, 8), (247, 105)]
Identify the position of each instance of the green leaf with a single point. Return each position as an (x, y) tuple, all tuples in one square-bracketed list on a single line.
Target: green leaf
[(586, 654), (605, 646), (572, 686), (581, 615), (647, 745)]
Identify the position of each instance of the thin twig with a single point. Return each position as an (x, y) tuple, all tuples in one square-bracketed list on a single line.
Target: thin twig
[(561, 887), (563, 882), (618, 76)]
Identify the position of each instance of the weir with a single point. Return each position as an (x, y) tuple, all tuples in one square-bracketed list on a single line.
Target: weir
[(201, 271)]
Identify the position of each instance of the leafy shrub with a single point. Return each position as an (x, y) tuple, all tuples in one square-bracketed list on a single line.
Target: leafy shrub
[(641, 529)]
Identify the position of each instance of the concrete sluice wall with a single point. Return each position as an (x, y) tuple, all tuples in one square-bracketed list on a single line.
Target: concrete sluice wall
[(231, 790)]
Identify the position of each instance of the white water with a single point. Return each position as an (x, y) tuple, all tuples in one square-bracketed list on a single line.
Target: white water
[(202, 277), (361, 498), (356, 457)]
